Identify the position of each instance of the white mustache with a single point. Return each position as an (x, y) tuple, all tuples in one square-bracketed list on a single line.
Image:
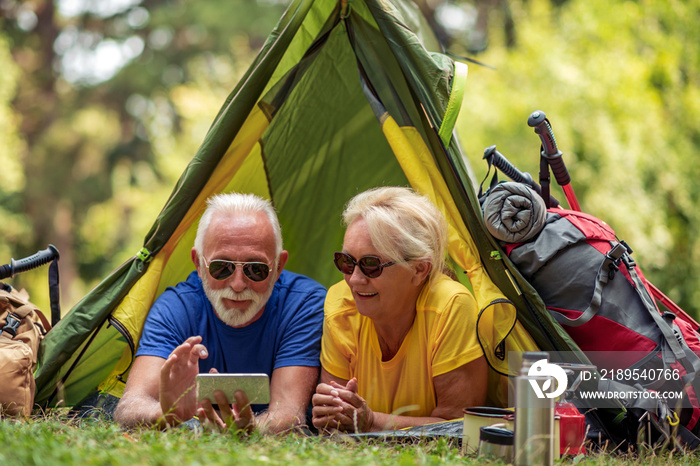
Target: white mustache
[(245, 295)]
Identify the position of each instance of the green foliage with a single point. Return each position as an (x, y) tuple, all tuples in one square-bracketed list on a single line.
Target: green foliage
[(54, 440), (619, 83)]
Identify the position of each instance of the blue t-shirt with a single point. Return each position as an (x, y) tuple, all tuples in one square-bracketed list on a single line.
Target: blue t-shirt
[(287, 334)]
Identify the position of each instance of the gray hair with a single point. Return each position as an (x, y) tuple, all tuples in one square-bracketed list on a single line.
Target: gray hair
[(237, 203), (402, 225)]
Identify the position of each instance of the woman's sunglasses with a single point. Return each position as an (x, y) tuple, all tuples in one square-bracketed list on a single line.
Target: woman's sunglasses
[(371, 266), (220, 269)]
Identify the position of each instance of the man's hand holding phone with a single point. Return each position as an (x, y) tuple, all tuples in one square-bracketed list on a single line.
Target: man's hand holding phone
[(225, 388), (238, 416)]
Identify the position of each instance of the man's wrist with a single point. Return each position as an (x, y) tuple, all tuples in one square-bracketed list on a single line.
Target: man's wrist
[(168, 418)]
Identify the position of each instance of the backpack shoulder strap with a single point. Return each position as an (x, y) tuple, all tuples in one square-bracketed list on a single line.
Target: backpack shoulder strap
[(612, 258)]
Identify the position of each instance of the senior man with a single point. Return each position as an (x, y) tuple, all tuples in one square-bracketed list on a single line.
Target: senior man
[(239, 312)]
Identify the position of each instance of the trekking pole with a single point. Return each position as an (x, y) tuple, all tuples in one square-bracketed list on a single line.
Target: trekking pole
[(498, 160), (553, 156), (670, 305), (37, 259)]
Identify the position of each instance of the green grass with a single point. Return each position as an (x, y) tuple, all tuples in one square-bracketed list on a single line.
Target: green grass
[(60, 441)]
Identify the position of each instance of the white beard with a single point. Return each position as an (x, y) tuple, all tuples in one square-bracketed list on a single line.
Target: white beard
[(236, 317)]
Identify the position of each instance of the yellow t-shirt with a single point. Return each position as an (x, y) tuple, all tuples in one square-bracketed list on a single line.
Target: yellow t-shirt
[(443, 338)]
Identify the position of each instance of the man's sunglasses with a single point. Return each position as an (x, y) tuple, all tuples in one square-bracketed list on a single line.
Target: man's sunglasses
[(371, 266), (220, 269)]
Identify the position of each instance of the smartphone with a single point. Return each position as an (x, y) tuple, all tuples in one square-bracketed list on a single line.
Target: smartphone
[(256, 386)]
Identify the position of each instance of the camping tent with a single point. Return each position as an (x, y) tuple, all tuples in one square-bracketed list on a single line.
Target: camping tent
[(342, 97)]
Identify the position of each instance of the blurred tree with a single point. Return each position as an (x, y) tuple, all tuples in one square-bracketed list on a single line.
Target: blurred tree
[(113, 98), (12, 179), (464, 26)]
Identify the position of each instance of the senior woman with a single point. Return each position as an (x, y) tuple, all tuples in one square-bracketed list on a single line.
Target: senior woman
[(399, 344)]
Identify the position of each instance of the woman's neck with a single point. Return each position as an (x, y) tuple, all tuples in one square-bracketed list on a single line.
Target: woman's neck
[(392, 335)]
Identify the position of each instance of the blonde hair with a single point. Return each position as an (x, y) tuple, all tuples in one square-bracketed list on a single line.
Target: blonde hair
[(236, 204), (402, 225)]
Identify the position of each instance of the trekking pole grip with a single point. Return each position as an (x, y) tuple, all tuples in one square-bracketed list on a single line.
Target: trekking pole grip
[(538, 121), (500, 161), (37, 259)]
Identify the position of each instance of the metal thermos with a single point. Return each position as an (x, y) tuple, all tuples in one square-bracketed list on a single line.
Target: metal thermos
[(534, 417)]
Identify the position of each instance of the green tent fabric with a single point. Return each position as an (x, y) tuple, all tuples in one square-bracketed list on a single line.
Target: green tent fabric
[(341, 98)]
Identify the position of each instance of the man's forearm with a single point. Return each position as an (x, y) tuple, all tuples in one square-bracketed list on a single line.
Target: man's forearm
[(277, 421)]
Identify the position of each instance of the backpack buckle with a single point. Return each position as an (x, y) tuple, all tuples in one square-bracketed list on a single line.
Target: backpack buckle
[(616, 253), (613, 259), (12, 324)]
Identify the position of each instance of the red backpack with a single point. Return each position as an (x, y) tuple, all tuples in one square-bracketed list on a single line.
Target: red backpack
[(590, 284), (595, 290)]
